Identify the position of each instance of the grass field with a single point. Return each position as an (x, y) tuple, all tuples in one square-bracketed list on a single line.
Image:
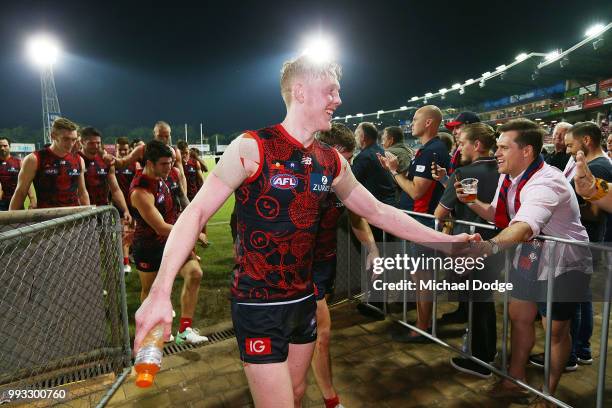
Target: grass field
[(217, 262)]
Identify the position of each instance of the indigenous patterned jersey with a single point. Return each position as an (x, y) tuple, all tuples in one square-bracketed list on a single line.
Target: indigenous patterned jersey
[(96, 179), (325, 249), (9, 172), (191, 174), (144, 235), (278, 211), (57, 179), (175, 190), (125, 175)]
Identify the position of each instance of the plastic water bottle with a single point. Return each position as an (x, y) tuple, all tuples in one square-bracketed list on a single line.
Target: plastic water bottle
[(148, 358)]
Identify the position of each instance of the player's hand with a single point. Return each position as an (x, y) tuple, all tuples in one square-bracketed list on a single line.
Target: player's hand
[(109, 159), (584, 179), (127, 217), (33, 205), (203, 239), (389, 161), (156, 309), (437, 172)]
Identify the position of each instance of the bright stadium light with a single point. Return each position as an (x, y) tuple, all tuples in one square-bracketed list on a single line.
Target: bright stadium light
[(521, 57), (552, 55), (456, 86), (403, 108), (43, 50), (359, 115), (414, 98), (320, 48), (486, 74), (443, 91), (594, 30), (501, 68), (428, 94), (470, 81)]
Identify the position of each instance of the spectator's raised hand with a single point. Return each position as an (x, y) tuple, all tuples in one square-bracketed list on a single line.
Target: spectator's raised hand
[(389, 161), (437, 172), (584, 179)]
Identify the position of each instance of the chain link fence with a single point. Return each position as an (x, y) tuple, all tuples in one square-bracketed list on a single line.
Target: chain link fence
[(63, 319)]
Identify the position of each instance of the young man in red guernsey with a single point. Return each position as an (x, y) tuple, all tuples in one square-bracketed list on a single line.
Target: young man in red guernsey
[(342, 139), (278, 212), (124, 176), (56, 172), (9, 173), (100, 178), (192, 168), (155, 215)]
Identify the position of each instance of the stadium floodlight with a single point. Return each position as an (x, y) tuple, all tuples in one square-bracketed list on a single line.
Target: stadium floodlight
[(359, 115), (486, 74), (414, 98), (456, 86), (381, 111), (43, 50), (594, 30), (403, 108), (553, 55), (501, 68), (443, 91), (320, 48), (470, 81), (428, 94), (521, 57)]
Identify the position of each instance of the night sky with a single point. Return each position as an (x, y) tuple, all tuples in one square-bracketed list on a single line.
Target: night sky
[(132, 64)]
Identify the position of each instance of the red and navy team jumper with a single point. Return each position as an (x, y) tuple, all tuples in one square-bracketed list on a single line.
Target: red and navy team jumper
[(148, 245), (172, 181), (191, 174), (57, 179), (324, 265), (278, 210), (96, 179), (9, 173), (125, 175)]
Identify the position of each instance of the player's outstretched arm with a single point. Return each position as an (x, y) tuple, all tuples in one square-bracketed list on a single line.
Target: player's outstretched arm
[(239, 161), (359, 200), (24, 180), (117, 194)]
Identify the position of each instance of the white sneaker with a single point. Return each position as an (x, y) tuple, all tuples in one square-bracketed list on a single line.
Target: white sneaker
[(190, 336), (127, 269)]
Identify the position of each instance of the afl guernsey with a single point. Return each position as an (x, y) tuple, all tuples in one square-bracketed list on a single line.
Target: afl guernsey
[(326, 247), (96, 179), (191, 174), (278, 211), (57, 179), (9, 173)]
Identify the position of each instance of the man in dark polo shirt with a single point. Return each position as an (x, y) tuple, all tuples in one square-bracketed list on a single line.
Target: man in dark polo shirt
[(455, 126), (424, 192), (475, 142), (559, 157), (369, 172)]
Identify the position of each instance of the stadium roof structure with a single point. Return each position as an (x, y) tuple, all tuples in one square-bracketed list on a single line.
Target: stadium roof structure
[(586, 62)]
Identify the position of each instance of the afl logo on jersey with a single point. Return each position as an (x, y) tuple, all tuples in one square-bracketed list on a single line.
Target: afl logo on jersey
[(284, 181)]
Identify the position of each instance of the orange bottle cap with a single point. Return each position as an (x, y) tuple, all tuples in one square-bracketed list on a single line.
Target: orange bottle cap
[(144, 379)]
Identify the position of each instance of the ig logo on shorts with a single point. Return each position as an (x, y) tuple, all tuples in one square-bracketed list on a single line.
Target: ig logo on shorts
[(258, 346)]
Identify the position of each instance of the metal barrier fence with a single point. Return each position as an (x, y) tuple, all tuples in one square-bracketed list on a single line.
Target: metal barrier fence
[(63, 319), (349, 284)]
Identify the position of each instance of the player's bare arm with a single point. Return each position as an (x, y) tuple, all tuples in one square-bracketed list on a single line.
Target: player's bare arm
[(117, 195), (359, 200), (239, 161), (24, 181), (82, 189), (144, 202)]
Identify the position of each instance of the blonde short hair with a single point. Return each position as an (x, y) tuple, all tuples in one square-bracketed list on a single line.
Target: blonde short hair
[(159, 124), (60, 124), (305, 66)]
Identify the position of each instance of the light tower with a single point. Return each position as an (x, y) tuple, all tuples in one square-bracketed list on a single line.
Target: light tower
[(44, 52)]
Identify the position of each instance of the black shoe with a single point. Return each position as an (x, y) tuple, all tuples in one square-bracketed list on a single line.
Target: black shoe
[(367, 311), (456, 317), (584, 359), (467, 366), (538, 361)]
